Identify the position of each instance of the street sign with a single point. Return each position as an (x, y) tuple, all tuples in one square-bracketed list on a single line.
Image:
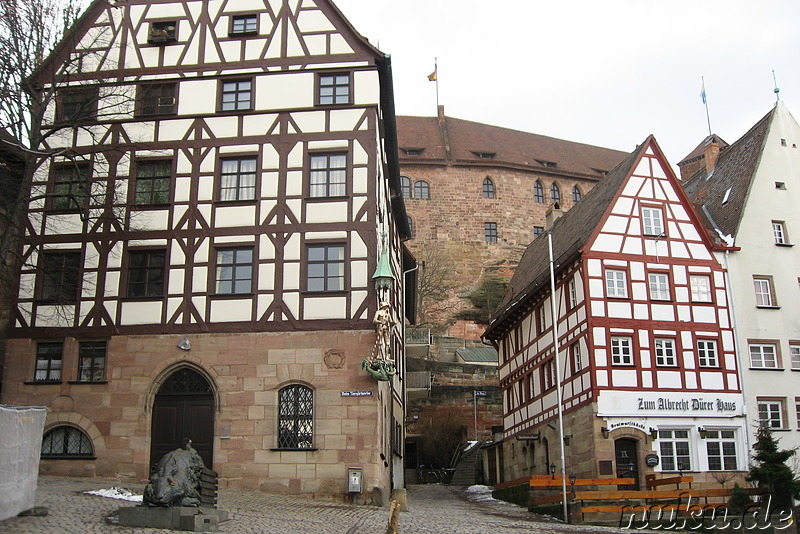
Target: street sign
[(480, 393)]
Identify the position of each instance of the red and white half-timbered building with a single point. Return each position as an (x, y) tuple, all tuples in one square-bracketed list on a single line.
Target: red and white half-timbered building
[(645, 342), (199, 257)]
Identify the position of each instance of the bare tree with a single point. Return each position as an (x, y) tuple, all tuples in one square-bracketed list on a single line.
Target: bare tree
[(48, 102), (435, 285)]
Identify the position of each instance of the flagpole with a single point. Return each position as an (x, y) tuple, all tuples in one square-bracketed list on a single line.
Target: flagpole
[(436, 70), (705, 102)]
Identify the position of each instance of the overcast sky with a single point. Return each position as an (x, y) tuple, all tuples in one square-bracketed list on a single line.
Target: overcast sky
[(603, 72)]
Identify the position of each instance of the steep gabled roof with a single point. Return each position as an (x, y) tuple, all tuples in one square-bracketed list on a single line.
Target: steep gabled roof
[(468, 140), (700, 149), (570, 233), (722, 194)]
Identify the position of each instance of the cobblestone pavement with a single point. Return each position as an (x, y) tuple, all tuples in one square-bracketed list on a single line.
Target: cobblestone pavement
[(433, 509)]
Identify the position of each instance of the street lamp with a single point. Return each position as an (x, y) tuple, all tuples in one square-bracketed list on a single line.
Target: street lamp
[(553, 470)]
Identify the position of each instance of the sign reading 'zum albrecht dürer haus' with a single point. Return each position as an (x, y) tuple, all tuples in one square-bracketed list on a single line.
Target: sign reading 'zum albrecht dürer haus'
[(639, 403)]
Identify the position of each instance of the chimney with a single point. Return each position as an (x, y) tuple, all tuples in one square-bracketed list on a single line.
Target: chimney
[(553, 213), (711, 153)]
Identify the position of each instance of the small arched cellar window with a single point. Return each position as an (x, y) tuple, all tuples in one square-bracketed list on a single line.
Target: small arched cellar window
[(66, 442)]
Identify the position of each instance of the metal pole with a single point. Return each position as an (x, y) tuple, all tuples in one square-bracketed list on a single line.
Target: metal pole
[(475, 409), (559, 390)]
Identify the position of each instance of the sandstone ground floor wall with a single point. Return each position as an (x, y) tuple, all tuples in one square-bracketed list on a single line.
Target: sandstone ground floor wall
[(624, 446), (353, 414)]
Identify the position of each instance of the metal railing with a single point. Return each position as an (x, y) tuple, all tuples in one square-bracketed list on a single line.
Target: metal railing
[(418, 380), (418, 336)]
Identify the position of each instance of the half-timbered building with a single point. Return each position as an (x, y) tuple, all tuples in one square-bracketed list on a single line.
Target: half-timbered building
[(200, 254), (642, 338), (749, 200)]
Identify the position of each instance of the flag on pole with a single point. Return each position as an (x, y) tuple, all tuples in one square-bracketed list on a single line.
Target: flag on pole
[(432, 77), (703, 92)]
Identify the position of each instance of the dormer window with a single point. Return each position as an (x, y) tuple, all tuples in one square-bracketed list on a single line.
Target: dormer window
[(413, 151), (548, 164), (162, 32), (485, 155)]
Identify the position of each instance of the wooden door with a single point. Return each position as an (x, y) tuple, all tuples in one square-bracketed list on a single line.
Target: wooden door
[(625, 453), (183, 409)]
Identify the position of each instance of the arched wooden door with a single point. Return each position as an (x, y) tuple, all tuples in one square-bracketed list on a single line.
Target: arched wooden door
[(183, 408)]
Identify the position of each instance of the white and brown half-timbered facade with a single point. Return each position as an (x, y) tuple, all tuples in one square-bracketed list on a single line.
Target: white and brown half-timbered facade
[(645, 343), (200, 258)]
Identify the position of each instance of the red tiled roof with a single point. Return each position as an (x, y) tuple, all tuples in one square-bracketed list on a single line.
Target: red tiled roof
[(511, 147)]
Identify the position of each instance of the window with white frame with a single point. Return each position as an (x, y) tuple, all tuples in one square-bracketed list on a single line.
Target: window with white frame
[(721, 449), (779, 233), (659, 286), (652, 223), (797, 410), (765, 296), (238, 179), (577, 363), (572, 294), (665, 352), (675, 451), (621, 350), (794, 351), (707, 353), (328, 175), (616, 284), (770, 413), (700, 286), (236, 95), (763, 356)]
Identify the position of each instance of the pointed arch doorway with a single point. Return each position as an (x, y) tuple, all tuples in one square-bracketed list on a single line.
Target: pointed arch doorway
[(183, 408)]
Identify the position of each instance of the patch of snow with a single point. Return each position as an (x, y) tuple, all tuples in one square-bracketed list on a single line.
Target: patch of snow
[(116, 493)]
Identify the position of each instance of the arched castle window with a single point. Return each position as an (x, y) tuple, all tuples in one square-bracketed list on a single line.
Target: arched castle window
[(422, 190), (576, 194), (405, 186), (538, 192), (555, 192), (488, 188)]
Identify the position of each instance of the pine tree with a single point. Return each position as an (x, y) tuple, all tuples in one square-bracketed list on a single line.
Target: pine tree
[(770, 470), (739, 501)]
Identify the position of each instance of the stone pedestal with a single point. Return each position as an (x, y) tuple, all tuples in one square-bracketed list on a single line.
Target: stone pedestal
[(189, 518)]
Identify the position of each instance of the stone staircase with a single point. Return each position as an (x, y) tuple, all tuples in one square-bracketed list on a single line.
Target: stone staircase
[(466, 466)]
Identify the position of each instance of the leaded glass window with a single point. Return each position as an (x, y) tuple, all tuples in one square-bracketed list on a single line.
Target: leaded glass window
[(295, 419), (66, 441)]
